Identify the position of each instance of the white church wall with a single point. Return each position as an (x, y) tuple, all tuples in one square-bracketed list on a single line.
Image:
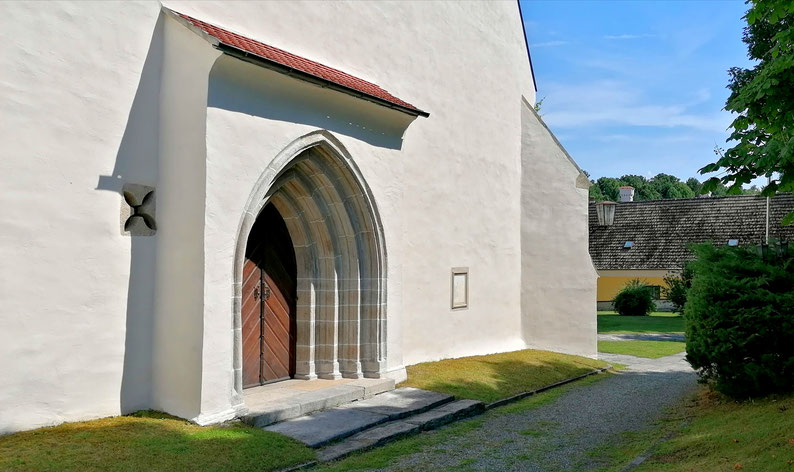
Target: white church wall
[(461, 204), (558, 297), (107, 94), (440, 217), (80, 91)]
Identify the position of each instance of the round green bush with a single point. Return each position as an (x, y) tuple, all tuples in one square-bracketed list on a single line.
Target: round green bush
[(634, 299), (740, 319)]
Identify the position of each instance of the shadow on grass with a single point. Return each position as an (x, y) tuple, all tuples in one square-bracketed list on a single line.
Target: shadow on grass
[(149, 441)]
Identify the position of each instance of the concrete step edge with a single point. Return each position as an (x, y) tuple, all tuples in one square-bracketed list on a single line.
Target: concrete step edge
[(378, 435), (385, 419), (293, 409)]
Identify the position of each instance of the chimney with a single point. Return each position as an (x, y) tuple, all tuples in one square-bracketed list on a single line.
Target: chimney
[(606, 213), (626, 194)]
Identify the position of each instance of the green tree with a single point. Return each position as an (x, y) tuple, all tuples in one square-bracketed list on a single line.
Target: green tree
[(595, 192), (643, 188), (609, 187), (670, 186), (763, 99), (694, 184), (738, 318)]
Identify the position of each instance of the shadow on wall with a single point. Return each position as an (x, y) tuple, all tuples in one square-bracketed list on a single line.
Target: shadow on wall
[(242, 87), (137, 162)]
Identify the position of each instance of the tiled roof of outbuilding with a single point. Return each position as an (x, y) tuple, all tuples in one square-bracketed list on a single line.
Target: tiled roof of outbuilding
[(662, 229), (297, 63)]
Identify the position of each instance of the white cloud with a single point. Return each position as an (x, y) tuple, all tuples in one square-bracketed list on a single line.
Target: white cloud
[(639, 115), (610, 103)]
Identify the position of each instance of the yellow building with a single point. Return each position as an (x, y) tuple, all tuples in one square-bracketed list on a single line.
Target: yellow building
[(611, 281), (649, 240)]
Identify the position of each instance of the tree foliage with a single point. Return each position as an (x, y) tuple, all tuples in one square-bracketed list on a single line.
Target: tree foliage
[(662, 186), (656, 188), (762, 98), (739, 323), (676, 288)]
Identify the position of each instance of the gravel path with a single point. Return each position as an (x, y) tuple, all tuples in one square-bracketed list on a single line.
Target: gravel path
[(642, 337), (564, 434)]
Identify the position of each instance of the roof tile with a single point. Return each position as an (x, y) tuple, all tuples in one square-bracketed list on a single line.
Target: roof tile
[(662, 230), (296, 62)]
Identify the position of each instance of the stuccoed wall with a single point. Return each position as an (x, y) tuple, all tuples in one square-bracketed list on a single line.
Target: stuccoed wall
[(79, 120), (558, 297), (448, 192)]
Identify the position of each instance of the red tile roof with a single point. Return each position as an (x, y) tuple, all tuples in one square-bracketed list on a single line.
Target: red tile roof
[(288, 60)]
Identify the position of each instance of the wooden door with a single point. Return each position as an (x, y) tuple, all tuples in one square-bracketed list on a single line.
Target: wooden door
[(268, 305)]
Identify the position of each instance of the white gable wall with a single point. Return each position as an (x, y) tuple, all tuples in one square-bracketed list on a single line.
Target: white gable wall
[(558, 288)]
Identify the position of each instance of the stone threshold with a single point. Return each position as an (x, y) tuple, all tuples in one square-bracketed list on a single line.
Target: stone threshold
[(289, 399), (326, 427)]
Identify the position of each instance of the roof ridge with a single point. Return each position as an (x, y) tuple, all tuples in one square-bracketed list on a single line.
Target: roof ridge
[(701, 198)]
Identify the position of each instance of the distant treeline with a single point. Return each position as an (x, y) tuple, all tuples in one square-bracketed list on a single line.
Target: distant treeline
[(662, 186)]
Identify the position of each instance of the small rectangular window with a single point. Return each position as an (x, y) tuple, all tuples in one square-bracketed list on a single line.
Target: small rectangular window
[(628, 244), (656, 292), (460, 287), (733, 242)]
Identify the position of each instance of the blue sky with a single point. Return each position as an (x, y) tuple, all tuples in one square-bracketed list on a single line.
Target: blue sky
[(636, 87)]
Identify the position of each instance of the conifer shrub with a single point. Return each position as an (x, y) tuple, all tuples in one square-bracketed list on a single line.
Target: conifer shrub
[(740, 319), (634, 299)]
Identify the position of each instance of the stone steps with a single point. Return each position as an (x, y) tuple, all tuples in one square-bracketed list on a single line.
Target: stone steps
[(273, 403), (393, 430), (364, 424), (322, 428)]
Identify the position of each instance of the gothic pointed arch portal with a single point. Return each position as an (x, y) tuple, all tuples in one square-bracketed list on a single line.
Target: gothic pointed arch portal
[(340, 312)]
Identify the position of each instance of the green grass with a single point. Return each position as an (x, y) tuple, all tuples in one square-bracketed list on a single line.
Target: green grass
[(496, 376), (725, 435), (649, 349), (389, 455), (149, 441), (610, 322)]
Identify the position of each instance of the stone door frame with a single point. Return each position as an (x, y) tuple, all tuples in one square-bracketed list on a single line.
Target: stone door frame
[(340, 251)]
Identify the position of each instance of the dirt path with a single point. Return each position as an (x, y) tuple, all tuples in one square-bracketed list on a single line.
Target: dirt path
[(565, 434)]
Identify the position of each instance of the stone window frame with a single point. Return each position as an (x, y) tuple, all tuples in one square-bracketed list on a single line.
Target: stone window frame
[(455, 272)]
